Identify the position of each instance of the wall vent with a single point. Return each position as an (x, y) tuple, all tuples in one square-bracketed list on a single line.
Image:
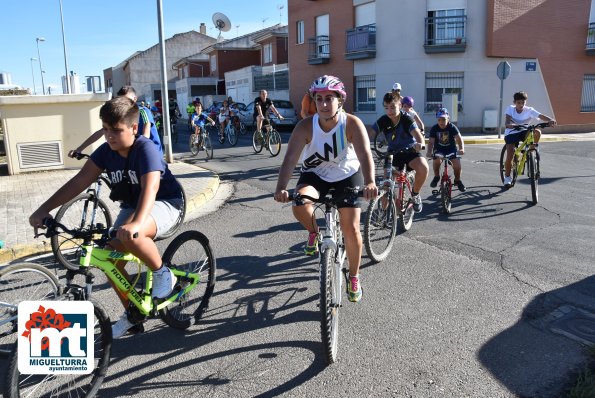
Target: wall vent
[(40, 154)]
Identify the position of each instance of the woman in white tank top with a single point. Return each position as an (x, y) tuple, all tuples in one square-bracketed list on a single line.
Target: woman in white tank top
[(335, 153)]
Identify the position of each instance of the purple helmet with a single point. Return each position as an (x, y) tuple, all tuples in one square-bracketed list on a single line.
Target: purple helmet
[(328, 83), (408, 101)]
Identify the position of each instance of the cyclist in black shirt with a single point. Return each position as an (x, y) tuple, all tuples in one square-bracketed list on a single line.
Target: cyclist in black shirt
[(262, 105)]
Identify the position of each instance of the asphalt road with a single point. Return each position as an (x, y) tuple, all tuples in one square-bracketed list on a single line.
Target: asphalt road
[(464, 306)]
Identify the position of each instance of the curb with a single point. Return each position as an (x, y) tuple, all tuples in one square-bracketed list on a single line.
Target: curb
[(17, 252)]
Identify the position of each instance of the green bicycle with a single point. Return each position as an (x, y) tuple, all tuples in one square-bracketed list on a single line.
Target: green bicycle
[(525, 155), (189, 257)]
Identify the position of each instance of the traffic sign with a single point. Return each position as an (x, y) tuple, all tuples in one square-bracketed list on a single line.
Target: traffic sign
[(503, 70)]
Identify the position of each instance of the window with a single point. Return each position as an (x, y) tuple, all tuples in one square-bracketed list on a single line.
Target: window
[(300, 32), (213, 62), (446, 26), (442, 83), (268, 53), (588, 97), (365, 93)]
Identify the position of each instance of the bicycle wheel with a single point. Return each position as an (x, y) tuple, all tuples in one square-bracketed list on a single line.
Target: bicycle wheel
[(78, 214), (242, 128), (274, 146), (208, 147), (502, 160), (65, 385), (329, 305), (257, 141), (232, 137), (380, 228), (18, 282), (174, 133), (380, 144), (405, 219), (532, 160), (193, 145), (190, 252), (445, 195)]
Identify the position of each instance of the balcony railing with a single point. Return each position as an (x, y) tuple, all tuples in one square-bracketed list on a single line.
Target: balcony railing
[(319, 50), (446, 34), (360, 42), (591, 39)]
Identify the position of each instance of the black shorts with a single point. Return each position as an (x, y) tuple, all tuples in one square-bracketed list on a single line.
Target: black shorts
[(356, 180), (401, 159), (445, 150), (515, 138)]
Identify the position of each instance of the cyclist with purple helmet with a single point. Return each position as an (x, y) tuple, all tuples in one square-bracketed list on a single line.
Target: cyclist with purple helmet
[(407, 104), (444, 139), (335, 153)]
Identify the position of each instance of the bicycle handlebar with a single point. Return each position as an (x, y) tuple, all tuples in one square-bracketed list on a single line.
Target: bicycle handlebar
[(520, 127), (54, 227)]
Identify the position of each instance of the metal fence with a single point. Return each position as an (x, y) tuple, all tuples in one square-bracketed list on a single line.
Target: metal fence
[(365, 93), (278, 80)]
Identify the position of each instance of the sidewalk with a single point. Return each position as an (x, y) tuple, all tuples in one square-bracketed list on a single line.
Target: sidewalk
[(485, 139), (21, 194)]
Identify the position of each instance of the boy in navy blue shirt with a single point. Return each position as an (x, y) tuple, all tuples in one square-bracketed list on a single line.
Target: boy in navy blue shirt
[(150, 196)]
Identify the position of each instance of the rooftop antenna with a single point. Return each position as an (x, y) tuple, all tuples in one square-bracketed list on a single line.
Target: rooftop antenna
[(222, 23), (237, 30), (263, 21), (280, 7)]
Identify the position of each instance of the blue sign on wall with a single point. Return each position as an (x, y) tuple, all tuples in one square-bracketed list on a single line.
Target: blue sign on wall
[(530, 66)]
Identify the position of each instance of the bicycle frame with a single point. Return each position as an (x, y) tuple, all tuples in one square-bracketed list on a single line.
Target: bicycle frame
[(522, 150), (104, 259), (400, 178)]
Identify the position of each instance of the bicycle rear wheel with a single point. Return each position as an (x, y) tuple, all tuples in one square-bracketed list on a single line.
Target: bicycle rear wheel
[(78, 214), (18, 282), (502, 160), (189, 252), (329, 305), (532, 160), (405, 219), (257, 141), (232, 136), (446, 195), (208, 147), (65, 385), (274, 142), (380, 227), (193, 144)]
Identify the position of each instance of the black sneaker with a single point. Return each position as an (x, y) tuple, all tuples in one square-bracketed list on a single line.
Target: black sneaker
[(460, 185), (434, 182)]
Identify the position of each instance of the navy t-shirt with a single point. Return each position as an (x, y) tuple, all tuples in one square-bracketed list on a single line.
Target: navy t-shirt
[(398, 136), (444, 139), (144, 158), (144, 117)]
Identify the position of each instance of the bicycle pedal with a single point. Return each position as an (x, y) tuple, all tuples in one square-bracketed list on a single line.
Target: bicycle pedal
[(435, 191)]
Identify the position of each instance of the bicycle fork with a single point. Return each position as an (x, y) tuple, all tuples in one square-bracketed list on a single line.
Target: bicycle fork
[(329, 241)]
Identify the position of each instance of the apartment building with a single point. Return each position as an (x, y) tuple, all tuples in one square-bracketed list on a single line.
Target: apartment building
[(446, 52)]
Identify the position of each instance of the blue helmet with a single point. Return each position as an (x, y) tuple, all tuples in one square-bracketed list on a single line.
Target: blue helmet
[(442, 112)]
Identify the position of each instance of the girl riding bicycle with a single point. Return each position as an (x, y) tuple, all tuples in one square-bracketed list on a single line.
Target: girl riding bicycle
[(336, 154)]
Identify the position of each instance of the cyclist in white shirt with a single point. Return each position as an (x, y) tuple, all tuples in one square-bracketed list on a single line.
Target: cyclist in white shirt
[(335, 154), (518, 114)]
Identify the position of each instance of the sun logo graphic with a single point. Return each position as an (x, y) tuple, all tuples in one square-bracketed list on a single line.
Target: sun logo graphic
[(55, 337)]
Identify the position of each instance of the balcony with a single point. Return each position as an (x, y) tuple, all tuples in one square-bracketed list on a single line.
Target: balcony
[(319, 50), (445, 34), (590, 49), (360, 42)]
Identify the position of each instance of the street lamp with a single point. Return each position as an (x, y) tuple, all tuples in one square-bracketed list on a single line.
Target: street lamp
[(33, 75), (40, 68)]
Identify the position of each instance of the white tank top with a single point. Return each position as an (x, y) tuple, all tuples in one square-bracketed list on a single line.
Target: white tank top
[(329, 155)]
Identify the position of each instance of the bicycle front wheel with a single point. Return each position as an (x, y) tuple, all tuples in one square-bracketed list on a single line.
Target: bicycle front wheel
[(257, 141), (274, 142), (502, 160), (208, 146), (329, 305), (380, 227), (405, 219), (232, 136), (446, 195), (532, 160), (18, 282), (65, 385), (189, 252), (193, 144), (80, 213)]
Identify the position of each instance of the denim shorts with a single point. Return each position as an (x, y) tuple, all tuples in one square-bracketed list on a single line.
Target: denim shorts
[(515, 138), (164, 212)]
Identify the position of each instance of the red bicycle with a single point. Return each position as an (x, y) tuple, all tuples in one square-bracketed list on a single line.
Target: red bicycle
[(445, 189)]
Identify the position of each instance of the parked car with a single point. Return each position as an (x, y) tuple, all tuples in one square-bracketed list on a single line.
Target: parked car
[(285, 108)]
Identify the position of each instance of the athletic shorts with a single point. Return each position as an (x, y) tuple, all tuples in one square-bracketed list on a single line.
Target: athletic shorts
[(401, 159), (164, 212), (515, 138), (356, 180), (445, 150)]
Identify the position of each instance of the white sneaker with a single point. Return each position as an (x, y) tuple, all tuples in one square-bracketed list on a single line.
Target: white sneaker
[(163, 282), (507, 181), (417, 204), (120, 328)]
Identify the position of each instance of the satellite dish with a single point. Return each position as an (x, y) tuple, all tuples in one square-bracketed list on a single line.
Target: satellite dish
[(221, 22)]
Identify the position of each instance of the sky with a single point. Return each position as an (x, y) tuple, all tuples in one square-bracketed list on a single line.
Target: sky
[(101, 34)]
